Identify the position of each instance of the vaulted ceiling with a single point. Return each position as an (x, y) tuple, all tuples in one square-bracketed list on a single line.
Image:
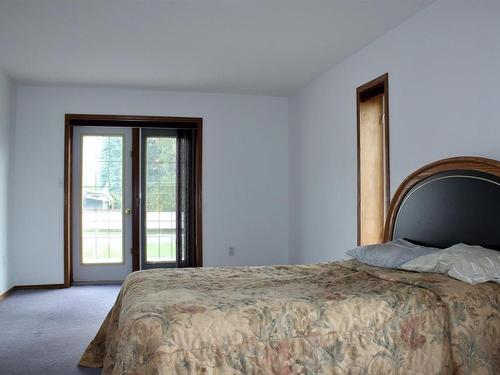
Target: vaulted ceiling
[(266, 47)]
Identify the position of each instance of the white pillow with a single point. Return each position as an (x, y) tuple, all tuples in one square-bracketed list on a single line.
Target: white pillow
[(472, 264)]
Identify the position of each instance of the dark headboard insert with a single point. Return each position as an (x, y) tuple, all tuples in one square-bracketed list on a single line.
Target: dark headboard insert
[(444, 206)]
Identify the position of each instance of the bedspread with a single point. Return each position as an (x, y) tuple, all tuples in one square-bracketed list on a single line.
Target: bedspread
[(328, 318)]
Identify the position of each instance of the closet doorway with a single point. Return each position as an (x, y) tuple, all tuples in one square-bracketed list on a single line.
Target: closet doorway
[(132, 195), (373, 159)]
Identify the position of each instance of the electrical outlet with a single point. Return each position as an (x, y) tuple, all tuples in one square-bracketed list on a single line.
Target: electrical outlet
[(231, 251)]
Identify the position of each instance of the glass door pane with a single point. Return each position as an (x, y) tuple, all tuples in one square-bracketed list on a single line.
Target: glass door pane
[(160, 197), (101, 199)]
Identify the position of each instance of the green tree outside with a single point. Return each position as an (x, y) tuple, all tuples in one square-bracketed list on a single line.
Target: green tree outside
[(161, 154), (111, 171)]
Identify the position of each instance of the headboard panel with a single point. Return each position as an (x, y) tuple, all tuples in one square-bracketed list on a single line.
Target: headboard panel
[(449, 201)]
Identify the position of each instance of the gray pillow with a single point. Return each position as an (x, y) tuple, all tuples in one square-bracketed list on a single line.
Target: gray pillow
[(391, 254)]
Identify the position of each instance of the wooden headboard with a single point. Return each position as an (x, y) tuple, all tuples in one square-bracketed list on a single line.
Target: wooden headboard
[(448, 201)]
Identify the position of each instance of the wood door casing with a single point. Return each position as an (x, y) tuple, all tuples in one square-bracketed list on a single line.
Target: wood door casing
[(372, 104), (137, 122)]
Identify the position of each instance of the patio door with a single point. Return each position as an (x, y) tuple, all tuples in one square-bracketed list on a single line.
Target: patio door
[(132, 188), (165, 221), (102, 224)]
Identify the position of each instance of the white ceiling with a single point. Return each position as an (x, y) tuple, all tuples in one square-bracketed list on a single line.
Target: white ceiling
[(266, 47)]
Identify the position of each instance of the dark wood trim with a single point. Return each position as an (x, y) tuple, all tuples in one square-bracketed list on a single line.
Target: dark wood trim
[(198, 261), (25, 287), (40, 286), (461, 162), (178, 208), (68, 197), (375, 87), (130, 119), (136, 197), (135, 122), (7, 293)]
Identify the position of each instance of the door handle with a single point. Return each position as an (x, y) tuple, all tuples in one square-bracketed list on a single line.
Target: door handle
[(127, 211)]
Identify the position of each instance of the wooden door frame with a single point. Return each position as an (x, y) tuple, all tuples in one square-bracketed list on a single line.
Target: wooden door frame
[(134, 122), (379, 84)]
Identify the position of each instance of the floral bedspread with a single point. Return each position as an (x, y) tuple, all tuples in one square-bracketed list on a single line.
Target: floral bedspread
[(328, 318)]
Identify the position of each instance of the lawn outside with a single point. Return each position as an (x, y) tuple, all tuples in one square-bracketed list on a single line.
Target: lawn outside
[(102, 240)]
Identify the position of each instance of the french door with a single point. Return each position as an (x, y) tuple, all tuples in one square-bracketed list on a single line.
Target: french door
[(159, 197), (102, 211), (135, 200), (168, 199)]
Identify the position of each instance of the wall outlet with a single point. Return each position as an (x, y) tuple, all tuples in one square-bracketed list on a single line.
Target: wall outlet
[(231, 251)]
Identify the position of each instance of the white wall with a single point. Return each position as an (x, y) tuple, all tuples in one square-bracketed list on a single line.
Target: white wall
[(245, 172), (290, 167), (5, 122), (444, 79)]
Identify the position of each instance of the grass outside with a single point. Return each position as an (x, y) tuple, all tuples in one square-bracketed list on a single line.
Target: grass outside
[(160, 248), (108, 248)]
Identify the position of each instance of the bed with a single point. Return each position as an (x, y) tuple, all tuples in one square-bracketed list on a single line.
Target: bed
[(329, 318)]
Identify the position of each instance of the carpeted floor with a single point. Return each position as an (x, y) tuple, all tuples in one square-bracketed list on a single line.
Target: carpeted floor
[(46, 331)]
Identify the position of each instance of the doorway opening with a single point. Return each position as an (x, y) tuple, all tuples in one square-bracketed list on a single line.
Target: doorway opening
[(132, 195), (373, 159)]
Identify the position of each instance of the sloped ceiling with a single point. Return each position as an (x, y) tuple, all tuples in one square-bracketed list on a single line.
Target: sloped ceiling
[(265, 47)]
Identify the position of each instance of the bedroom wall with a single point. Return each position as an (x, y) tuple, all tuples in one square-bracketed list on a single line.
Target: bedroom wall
[(443, 67), (245, 172), (6, 91)]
